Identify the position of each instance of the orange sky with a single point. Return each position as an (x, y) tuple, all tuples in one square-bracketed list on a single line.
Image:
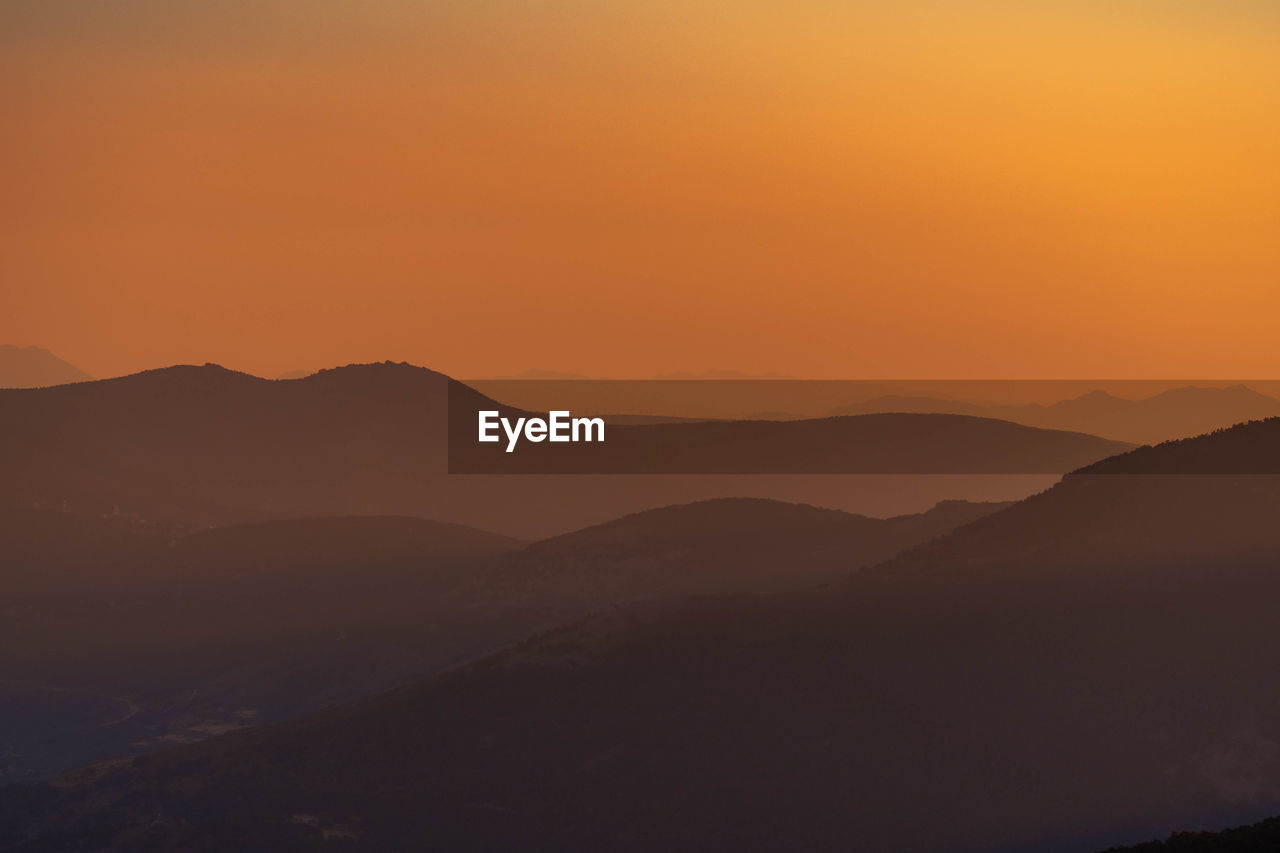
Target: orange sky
[(859, 189)]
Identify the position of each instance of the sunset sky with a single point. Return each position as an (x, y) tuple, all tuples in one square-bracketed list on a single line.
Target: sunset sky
[(949, 189)]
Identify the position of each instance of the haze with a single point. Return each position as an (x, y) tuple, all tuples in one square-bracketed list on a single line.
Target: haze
[(864, 190)]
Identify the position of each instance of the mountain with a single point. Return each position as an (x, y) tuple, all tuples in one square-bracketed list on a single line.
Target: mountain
[(540, 375), (1257, 838), (719, 374), (892, 443), (190, 632), (722, 546), (1249, 448), (918, 405), (1173, 414), (209, 445), (1087, 667), (121, 635), (33, 367), (1177, 413)]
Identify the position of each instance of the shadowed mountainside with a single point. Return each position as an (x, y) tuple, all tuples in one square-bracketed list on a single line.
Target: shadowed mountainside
[(34, 367), (1084, 668), (195, 632), (1173, 414), (728, 545)]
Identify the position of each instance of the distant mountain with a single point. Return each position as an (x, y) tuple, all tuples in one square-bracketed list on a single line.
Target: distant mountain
[(198, 631), (862, 444), (547, 375), (918, 405), (210, 445), (295, 374), (34, 367), (720, 374), (1087, 667), (1172, 414)]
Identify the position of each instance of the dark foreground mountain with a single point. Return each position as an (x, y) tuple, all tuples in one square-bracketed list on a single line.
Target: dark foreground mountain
[(1173, 414), (1088, 667), (1263, 837), (35, 367), (209, 445), (120, 637)]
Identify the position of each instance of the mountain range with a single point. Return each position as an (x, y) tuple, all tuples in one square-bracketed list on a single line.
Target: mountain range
[(1173, 414), (1083, 668), (210, 445), (122, 636)]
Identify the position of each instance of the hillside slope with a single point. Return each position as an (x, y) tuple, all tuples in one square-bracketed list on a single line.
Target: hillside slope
[(1081, 669), (193, 632)]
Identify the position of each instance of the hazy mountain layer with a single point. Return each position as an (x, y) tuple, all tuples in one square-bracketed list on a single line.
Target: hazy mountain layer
[(208, 445), (34, 367), (1173, 414)]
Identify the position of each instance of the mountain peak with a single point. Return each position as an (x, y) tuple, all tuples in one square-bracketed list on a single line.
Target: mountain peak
[(35, 367), (195, 374), (374, 375)]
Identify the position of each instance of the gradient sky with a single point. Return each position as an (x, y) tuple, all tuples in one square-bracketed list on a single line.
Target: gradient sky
[(949, 189)]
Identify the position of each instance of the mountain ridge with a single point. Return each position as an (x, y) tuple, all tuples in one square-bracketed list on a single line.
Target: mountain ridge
[(204, 444), (1171, 414), (1019, 683)]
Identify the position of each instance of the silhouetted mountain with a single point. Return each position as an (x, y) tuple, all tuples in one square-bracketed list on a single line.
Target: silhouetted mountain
[(209, 445), (193, 632), (1087, 667), (1172, 414), (1249, 448), (1263, 837), (34, 367)]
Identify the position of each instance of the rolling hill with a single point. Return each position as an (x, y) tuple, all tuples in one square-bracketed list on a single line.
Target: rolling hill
[(1087, 667), (205, 445), (193, 632)]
